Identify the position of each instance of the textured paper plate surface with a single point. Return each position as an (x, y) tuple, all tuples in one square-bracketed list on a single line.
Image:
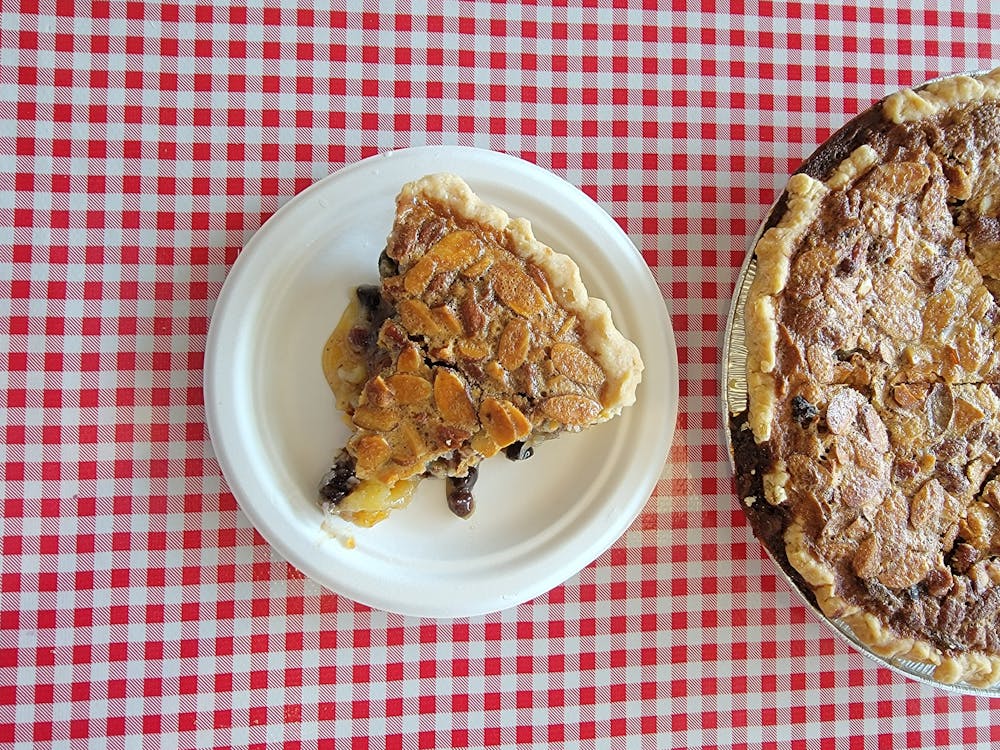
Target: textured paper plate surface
[(275, 427)]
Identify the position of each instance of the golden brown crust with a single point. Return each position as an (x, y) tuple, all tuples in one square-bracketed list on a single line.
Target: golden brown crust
[(873, 340), (774, 251), (911, 106)]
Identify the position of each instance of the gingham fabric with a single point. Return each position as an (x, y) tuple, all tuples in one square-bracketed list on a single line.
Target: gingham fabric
[(141, 145)]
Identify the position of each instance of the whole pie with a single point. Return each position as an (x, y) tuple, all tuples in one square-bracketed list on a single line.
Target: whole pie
[(478, 339), (869, 455)]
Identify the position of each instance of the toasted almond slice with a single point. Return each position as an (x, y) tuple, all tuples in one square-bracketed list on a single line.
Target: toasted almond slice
[(456, 250), (411, 448), (479, 267), (571, 409), (497, 422), (516, 289), (409, 359), (512, 348), (419, 275), (447, 319), (369, 417), (539, 277), (452, 399), (378, 394), (445, 353), (409, 389), (417, 318), (483, 444), (568, 325), (371, 451), (910, 395), (966, 414), (894, 181), (472, 349), (495, 370), (522, 425), (576, 364)]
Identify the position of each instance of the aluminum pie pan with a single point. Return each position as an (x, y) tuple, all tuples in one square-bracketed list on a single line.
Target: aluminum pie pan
[(735, 396)]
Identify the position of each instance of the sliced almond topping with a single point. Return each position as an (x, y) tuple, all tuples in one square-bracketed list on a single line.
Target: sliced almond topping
[(456, 250), (966, 414), (409, 389), (926, 506), (377, 392), (874, 428), (419, 275), (452, 399), (495, 370), (371, 451), (512, 349), (483, 444), (539, 277), (409, 359), (522, 425), (417, 318), (447, 319), (568, 325), (369, 417), (910, 566), (576, 364), (411, 448), (980, 302), (842, 412), (571, 409), (472, 349), (479, 267), (867, 560), (516, 289), (558, 384), (896, 181), (497, 422), (910, 395)]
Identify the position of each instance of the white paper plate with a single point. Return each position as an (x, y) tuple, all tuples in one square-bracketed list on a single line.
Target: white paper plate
[(275, 428)]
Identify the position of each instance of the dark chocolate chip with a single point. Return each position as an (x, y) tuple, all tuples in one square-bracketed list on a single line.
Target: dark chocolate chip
[(803, 412), (370, 297), (360, 338), (461, 503), (339, 480), (519, 451), (387, 266), (459, 492)]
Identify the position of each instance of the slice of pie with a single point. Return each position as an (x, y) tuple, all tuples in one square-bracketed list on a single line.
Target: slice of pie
[(479, 339), (869, 455)]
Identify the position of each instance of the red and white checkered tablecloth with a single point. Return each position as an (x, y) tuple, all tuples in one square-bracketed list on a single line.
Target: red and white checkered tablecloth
[(142, 144)]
